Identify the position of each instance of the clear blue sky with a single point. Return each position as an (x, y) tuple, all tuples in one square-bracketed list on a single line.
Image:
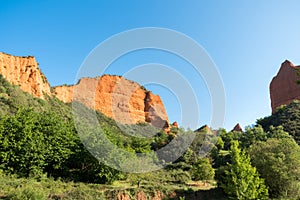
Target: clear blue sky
[(248, 40)]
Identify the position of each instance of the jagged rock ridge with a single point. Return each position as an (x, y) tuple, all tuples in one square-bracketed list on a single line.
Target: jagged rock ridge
[(123, 100), (24, 71), (283, 87)]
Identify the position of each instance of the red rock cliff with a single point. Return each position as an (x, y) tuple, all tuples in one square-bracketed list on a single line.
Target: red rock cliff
[(237, 127), (283, 87), (24, 71), (123, 100)]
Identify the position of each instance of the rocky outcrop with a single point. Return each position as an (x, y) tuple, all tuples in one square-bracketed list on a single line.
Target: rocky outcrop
[(63, 93), (205, 128), (238, 128), (24, 71), (123, 100), (143, 196), (283, 87), (175, 124), (123, 196), (155, 112)]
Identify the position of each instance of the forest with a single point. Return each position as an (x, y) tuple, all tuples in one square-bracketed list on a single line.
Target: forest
[(43, 157)]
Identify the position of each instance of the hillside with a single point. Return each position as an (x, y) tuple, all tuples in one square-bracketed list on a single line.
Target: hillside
[(123, 100), (44, 155), (12, 98), (24, 71), (38, 139), (287, 116)]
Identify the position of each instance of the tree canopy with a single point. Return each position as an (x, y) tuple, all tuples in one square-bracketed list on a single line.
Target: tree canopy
[(286, 116), (278, 162), (242, 180)]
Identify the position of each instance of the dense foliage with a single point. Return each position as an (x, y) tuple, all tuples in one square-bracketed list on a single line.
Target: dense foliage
[(274, 153), (203, 170), (242, 180), (38, 138), (286, 116), (278, 161), (32, 142)]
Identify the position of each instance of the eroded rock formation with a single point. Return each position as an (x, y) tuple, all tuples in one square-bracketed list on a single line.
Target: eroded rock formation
[(175, 124), (24, 71), (283, 87), (123, 100), (237, 127)]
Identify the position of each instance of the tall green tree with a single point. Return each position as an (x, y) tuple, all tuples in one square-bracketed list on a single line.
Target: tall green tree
[(278, 162), (241, 180), (203, 170)]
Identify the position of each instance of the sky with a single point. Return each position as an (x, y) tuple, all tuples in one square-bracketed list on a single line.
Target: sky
[(247, 40)]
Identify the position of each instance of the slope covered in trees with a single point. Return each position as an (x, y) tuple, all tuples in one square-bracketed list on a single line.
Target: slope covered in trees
[(38, 139), (286, 116)]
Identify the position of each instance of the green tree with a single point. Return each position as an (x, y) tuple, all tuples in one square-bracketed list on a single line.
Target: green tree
[(21, 144), (228, 137), (278, 132), (286, 116), (241, 180), (32, 143), (252, 135), (278, 162), (203, 170), (220, 143)]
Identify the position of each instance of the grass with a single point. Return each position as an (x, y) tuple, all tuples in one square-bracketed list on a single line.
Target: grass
[(15, 188)]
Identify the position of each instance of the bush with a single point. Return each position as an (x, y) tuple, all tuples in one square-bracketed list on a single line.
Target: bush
[(202, 170), (28, 193)]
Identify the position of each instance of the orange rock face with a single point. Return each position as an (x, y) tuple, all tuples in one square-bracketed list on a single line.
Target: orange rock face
[(155, 112), (123, 100), (63, 93), (283, 87), (24, 71)]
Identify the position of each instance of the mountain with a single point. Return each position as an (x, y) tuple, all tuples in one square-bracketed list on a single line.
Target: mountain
[(116, 97), (24, 71), (123, 100), (283, 87)]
